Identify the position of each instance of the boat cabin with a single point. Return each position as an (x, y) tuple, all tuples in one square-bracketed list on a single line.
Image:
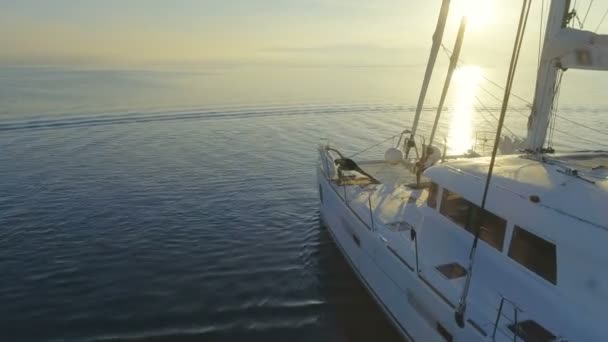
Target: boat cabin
[(544, 228)]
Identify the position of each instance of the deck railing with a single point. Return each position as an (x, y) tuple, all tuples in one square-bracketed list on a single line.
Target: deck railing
[(516, 310)]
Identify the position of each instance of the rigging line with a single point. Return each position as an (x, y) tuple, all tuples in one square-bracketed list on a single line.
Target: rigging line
[(580, 138), (513, 95), (540, 31), (488, 111), (587, 13), (498, 99), (380, 143), (448, 53), (555, 115), (495, 118), (520, 112), (524, 115), (574, 9), (481, 103), (574, 16), (515, 109), (461, 308), (554, 108), (580, 124), (601, 21)]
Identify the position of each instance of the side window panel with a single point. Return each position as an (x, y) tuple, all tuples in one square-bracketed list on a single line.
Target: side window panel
[(459, 210), (455, 207), (431, 201), (535, 253), (492, 228)]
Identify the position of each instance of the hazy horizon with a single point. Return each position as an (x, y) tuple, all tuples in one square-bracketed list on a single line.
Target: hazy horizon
[(277, 32), (336, 34)]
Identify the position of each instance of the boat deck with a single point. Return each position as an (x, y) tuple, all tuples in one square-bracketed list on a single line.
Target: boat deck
[(399, 174)]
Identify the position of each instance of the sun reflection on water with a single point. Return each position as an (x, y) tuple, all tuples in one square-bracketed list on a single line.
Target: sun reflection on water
[(460, 134)]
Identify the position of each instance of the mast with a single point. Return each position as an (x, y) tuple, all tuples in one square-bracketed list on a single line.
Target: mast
[(542, 107), (437, 38), (564, 48)]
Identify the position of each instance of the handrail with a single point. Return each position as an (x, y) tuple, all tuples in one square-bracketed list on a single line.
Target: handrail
[(516, 310), (502, 301)]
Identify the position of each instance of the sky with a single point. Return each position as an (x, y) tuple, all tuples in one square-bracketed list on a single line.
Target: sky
[(309, 32)]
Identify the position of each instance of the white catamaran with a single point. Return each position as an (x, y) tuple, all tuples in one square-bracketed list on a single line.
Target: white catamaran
[(482, 248)]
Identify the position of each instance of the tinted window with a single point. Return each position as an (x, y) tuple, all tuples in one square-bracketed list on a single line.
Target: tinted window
[(455, 207), (492, 228), (460, 211), (535, 253), (431, 201)]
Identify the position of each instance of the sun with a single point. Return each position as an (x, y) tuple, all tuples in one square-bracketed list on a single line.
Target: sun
[(479, 13)]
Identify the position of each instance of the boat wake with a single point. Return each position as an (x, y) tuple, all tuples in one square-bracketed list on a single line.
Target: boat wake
[(93, 120)]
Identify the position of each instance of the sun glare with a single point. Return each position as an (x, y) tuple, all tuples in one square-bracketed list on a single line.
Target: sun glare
[(460, 135), (478, 12)]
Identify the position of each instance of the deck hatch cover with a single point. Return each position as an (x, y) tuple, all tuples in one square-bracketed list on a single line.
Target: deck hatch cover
[(530, 331), (452, 270)]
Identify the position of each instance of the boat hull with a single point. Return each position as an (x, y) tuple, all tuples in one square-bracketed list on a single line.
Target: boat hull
[(417, 311)]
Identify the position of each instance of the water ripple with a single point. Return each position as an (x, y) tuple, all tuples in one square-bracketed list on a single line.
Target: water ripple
[(194, 226)]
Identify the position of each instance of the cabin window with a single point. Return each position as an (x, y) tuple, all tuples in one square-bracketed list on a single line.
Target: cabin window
[(459, 210), (455, 207), (431, 201), (492, 228), (535, 253)]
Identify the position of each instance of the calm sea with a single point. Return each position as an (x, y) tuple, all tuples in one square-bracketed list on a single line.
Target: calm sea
[(180, 203)]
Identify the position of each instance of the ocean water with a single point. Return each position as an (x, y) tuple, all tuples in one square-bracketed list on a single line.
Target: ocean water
[(180, 203)]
